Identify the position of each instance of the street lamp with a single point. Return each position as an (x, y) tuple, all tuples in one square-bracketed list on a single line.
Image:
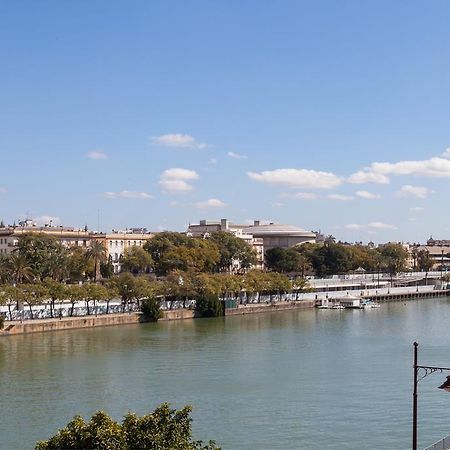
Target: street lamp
[(428, 370)]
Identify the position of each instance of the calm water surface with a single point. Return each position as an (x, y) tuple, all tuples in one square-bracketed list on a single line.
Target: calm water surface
[(337, 380)]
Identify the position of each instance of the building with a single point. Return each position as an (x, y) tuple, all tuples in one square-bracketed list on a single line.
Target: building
[(205, 228), (117, 242), (438, 251), (278, 235), (68, 236)]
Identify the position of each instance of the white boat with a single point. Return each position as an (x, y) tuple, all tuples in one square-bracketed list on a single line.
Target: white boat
[(338, 307), (369, 304)]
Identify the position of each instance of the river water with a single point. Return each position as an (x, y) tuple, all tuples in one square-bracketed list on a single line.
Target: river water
[(314, 379)]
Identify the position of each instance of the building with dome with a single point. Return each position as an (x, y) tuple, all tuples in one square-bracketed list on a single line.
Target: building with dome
[(279, 235)]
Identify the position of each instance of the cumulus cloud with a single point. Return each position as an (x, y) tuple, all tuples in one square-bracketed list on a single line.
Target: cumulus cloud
[(177, 140), (416, 208), (297, 178), (175, 180), (367, 176), (446, 154), (368, 195), (370, 226), (236, 155), (354, 226), (46, 220), (381, 225), (96, 154), (340, 197), (127, 194), (430, 168), (210, 203), (413, 191), (180, 174)]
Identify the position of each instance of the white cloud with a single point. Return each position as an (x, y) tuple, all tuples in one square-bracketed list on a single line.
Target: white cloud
[(417, 208), (413, 191), (381, 225), (297, 178), (96, 154), (366, 176), (175, 180), (127, 194), (236, 155), (431, 168), (368, 195), (175, 186), (277, 205), (354, 226), (46, 219), (180, 174), (340, 197), (210, 203), (177, 140), (446, 154), (212, 161)]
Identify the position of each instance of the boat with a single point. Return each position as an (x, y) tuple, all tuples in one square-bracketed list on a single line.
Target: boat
[(369, 304), (338, 307)]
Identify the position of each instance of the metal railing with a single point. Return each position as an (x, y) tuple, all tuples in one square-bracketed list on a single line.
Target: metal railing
[(443, 444)]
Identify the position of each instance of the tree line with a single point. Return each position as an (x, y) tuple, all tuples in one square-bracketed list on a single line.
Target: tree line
[(336, 258)]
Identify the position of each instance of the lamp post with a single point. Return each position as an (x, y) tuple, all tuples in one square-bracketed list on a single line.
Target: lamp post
[(442, 265), (428, 370)]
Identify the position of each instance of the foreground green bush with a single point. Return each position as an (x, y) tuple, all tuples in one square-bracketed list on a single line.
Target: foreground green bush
[(209, 305), (164, 428), (151, 310)]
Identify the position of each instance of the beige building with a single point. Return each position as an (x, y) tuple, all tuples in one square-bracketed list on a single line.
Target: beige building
[(115, 243), (277, 235), (205, 228)]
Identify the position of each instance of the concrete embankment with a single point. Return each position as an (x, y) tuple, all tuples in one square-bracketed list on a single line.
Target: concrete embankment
[(263, 308), (70, 323), (400, 296)]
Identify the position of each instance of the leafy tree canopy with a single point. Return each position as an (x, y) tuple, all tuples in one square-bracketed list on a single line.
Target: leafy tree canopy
[(164, 428)]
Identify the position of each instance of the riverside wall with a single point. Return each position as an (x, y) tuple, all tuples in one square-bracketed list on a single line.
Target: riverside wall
[(263, 308)]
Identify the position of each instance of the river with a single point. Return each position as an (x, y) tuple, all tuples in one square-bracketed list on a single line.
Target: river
[(314, 379)]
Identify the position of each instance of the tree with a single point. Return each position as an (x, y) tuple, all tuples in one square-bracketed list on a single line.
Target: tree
[(136, 260), (79, 264), (43, 254), (94, 293), (151, 309), (56, 291), (209, 305), (285, 260), (233, 250), (394, 256), (34, 294), (424, 261), (164, 428), (96, 253), (20, 269), (75, 293)]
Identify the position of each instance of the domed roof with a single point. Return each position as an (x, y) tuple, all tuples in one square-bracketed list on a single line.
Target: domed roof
[(278, 229)]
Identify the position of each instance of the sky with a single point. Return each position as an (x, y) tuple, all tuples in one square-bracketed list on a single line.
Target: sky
[(332, 116)]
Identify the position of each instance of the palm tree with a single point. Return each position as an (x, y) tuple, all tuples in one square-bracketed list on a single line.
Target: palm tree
[(20, 270), (97, 253)]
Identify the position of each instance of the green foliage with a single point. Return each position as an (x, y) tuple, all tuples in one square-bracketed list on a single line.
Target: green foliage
[(232, 248), (424, 261), (151, 309), (209, 305), (136, 260), (394, 256), (164, 428), (285, 260), (175, 251)]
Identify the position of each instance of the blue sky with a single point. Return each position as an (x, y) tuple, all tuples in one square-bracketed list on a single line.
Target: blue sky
[(161, 113)]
